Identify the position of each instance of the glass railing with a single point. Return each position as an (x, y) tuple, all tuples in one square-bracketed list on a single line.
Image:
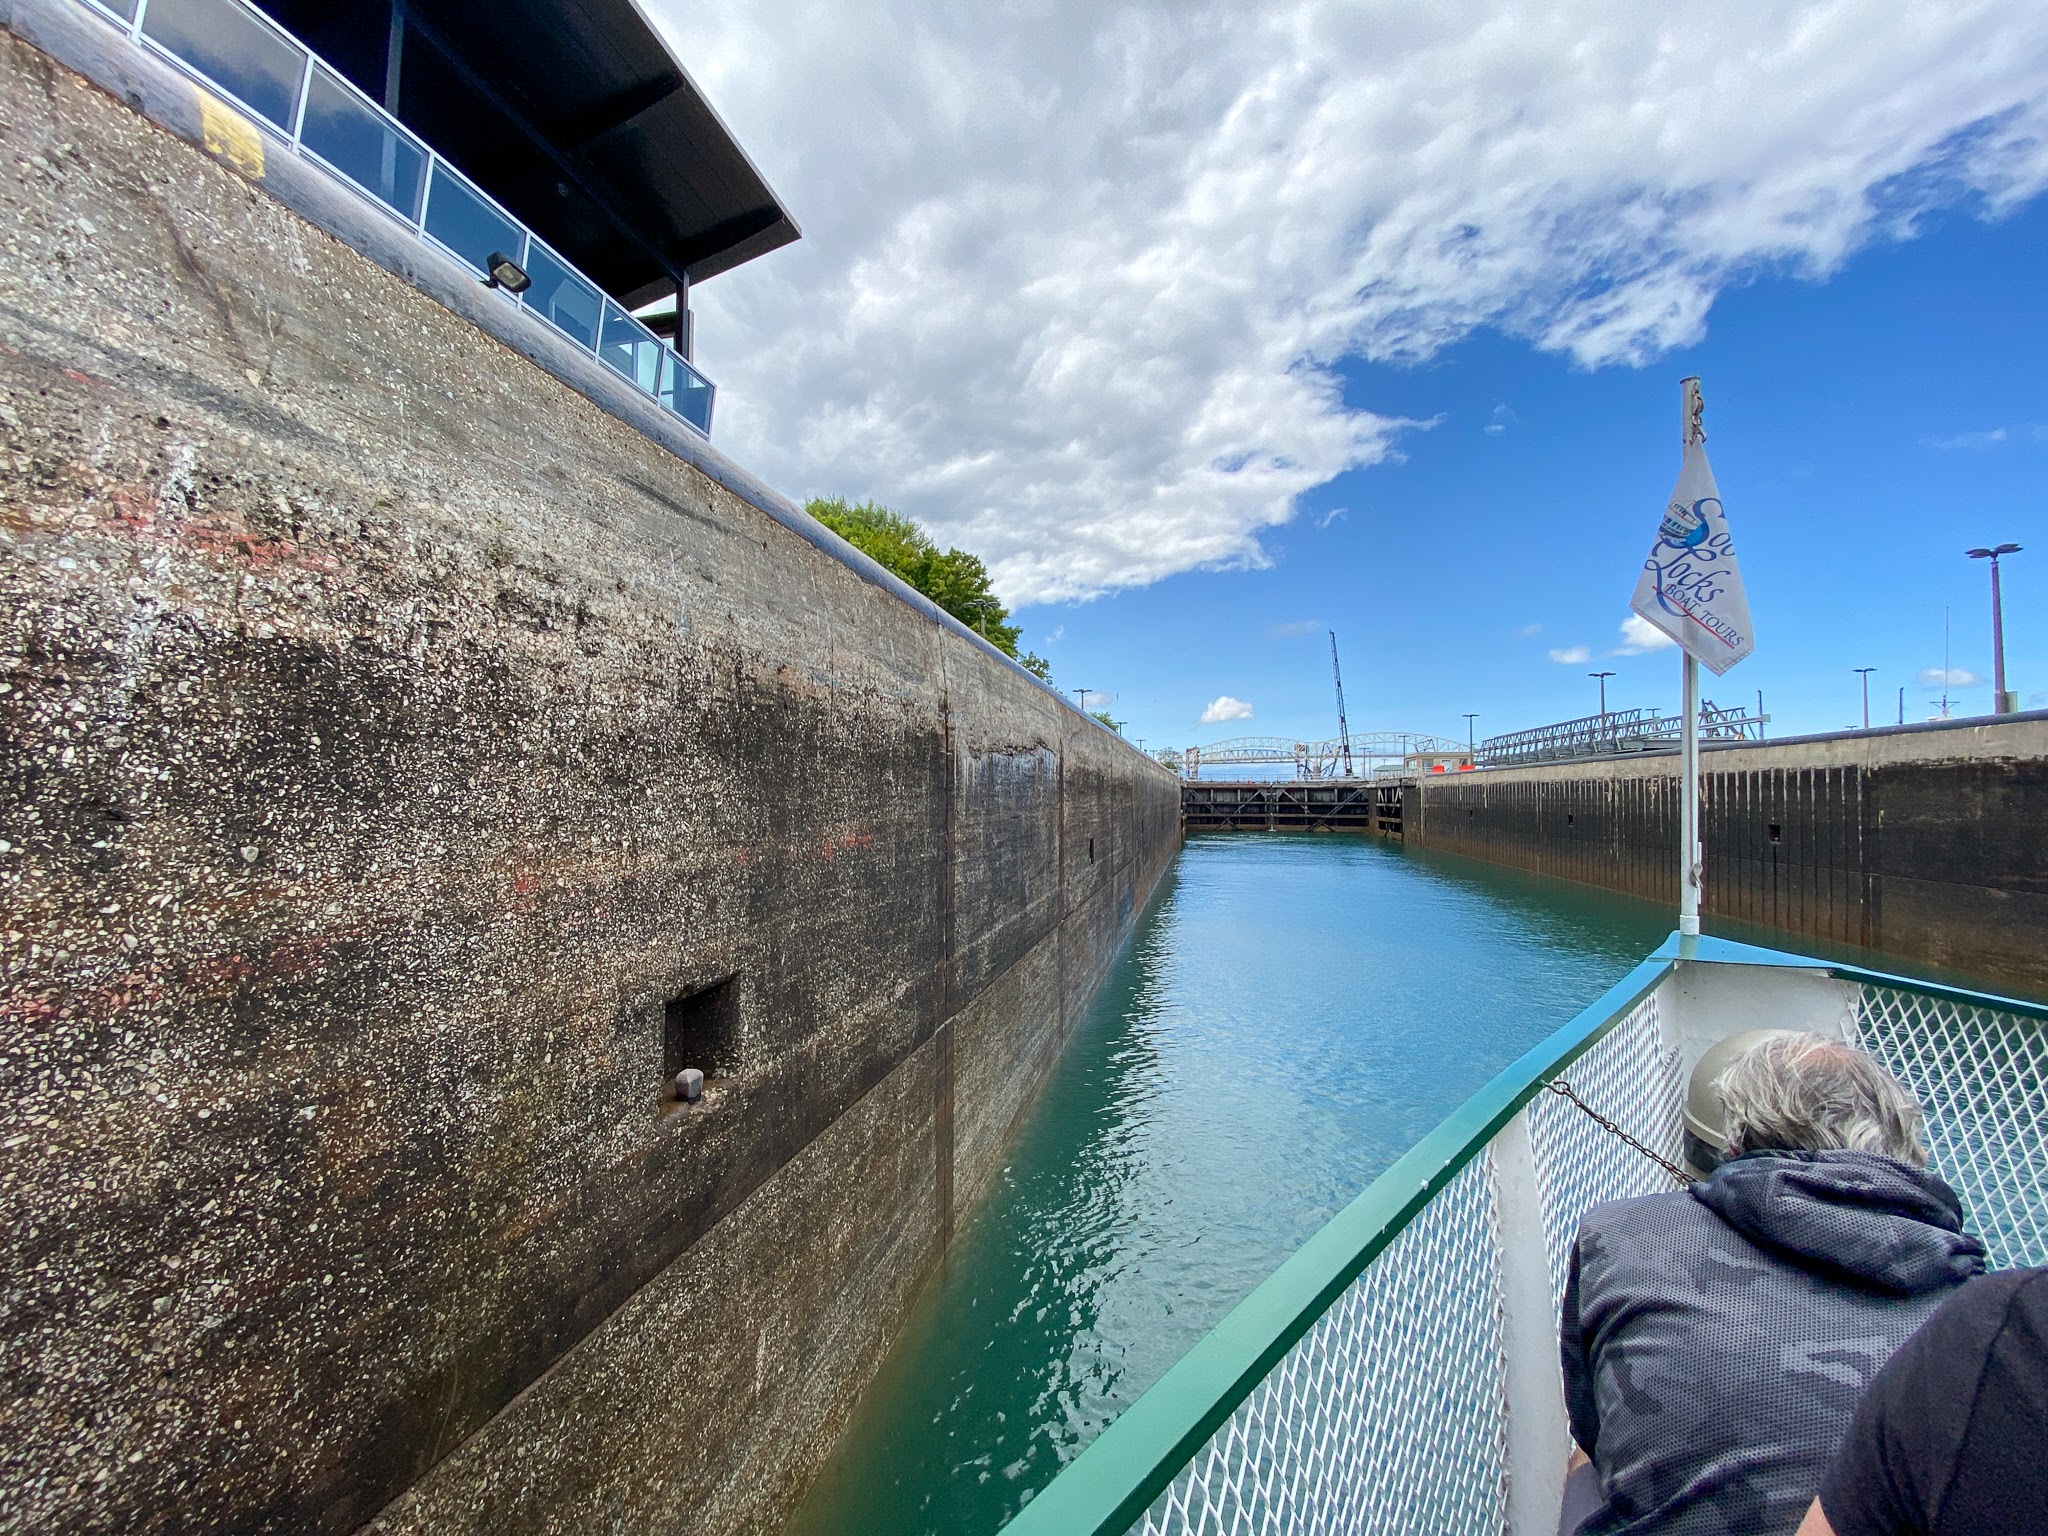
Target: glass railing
[(236, 50)]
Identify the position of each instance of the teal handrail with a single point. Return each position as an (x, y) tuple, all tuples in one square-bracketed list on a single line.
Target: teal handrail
[(1116, 1479), (1113, 1482)]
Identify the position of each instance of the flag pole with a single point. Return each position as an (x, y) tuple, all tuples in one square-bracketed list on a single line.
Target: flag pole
[(1689, 854)]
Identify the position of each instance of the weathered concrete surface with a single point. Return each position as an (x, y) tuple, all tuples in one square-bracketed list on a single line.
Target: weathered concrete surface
[(1929, 844), (387, 733)]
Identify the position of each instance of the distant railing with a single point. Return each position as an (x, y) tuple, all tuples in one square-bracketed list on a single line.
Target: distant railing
[(235, 49), (1364, 754), (1618, 730)]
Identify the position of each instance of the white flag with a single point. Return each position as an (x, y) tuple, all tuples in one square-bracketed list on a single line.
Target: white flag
[(1691, 587)]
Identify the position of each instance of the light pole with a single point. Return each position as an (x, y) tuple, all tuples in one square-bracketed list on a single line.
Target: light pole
[(1602, 676), (1865, 672), (1947, 671), (1471, 749), (2001, 702), (1082, 695)]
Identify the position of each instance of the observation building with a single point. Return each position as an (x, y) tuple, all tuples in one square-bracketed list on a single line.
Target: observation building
[(557, 147)]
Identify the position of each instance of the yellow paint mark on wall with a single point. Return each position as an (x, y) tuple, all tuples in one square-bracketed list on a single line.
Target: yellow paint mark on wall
[(230, 135)]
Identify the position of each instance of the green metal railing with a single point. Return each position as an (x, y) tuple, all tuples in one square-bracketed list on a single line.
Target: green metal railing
[(1397, 1372)]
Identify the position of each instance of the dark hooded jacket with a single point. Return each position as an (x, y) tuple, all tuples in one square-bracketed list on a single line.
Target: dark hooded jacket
[(1716, 1341)]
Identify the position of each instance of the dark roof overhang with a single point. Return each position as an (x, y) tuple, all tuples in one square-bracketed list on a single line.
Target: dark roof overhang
[(575, 116)]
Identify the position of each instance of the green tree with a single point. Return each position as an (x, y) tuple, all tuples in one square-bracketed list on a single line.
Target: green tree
[(955, 580), (892, 540), (1103, 716)]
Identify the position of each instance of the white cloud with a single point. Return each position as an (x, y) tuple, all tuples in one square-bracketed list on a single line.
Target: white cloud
[(1075, 274), (1988, 439), (1293, 628), (1057, 635), (1570, 655), (1529, 629), (1953, 677), (1639, 635), (1226, 708), (1502, 416)]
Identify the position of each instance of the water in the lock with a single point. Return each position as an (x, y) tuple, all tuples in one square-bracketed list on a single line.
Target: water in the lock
[(1292, 1014)]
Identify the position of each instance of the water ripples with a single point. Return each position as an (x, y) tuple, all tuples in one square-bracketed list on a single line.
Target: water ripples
[(1292, 1014)]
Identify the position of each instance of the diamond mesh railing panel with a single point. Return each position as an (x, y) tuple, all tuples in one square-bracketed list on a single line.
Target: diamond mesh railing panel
[(1387, 1416), (1631, 1077), (1982, 1076), (1390, 1413)]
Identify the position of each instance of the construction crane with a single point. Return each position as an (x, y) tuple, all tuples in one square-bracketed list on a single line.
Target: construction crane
[(1343, 725)]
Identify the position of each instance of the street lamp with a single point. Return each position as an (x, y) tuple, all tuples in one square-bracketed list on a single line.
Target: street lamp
[(1082, 695), (2002, 703), (1602, 676), (1865, 671), (1471, 750)]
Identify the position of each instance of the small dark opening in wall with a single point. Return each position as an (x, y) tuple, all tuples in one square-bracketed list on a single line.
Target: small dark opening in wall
[(1776, 831), (1569, 819), (1472, 813), (701, 1029), (1091, 850)]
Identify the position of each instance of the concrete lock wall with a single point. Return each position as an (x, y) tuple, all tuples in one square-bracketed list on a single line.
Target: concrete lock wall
[(1929, 843), (388, 734)]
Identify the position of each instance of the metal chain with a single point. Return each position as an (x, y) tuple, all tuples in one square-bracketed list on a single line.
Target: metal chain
[(1563, 1090)]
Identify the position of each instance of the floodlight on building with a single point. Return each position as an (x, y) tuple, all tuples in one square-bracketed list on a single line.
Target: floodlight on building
[(507, 274)]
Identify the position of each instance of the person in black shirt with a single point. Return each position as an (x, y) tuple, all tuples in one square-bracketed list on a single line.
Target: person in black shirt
[(1952, 1437)]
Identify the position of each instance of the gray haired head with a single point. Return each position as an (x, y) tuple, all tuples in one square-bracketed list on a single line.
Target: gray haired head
[(1807, 1093)]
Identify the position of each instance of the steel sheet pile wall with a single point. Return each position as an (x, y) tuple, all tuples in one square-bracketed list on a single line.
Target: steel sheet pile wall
[(1926, 844), (387, 734)]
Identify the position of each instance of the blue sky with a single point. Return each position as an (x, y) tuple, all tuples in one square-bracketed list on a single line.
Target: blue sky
[(1192, 320), (1865, 430)]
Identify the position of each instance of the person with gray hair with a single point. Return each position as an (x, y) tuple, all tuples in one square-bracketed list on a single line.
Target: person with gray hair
[(1715, 1340), (1794, 1092)]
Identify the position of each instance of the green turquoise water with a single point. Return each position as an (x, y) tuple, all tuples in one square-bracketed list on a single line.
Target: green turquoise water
[(1291, 1014)]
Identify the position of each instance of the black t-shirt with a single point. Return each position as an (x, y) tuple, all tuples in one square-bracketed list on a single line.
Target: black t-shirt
[(1952, 1437)]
